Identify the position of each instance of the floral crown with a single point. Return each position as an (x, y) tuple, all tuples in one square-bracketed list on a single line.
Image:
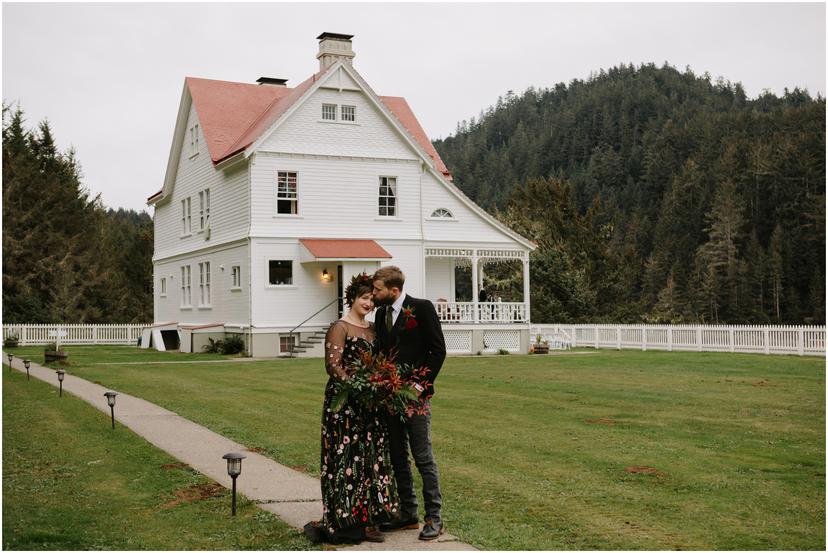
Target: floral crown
[(361, 279)]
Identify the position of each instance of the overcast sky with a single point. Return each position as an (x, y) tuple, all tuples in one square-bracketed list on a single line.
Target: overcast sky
[(109, 76)]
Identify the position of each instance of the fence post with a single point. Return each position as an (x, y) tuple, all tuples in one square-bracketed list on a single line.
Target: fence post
[(23, 335), (730, 336), (95, 334), (699, 338), (595, 335), (765, 335), (618, 337), (643, 338), (670, 338), (800, 340)]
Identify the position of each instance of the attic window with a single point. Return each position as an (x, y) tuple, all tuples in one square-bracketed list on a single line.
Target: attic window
[(194, 139), (329, 112), (442, 213), (348, 113)]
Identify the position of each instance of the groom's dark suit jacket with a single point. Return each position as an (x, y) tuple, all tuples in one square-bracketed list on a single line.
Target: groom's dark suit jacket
[(420, 345)]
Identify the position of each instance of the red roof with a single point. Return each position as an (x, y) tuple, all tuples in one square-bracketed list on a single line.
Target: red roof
[(326, 248), (234, 115)]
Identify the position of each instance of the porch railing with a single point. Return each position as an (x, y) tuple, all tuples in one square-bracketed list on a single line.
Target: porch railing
[(486, 312)]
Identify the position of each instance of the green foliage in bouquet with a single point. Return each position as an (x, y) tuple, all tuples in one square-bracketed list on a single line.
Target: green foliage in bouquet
[(376, 381)]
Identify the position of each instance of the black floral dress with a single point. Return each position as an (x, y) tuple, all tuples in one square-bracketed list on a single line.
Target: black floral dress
[(358, 487)]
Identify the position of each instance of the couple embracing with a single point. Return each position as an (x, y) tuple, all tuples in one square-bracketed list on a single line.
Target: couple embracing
[(366, 477)]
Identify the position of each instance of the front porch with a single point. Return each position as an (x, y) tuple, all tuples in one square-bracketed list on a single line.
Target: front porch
[(454, 278)]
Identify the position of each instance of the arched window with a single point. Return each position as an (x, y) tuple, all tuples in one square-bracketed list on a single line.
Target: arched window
[(442, 213)]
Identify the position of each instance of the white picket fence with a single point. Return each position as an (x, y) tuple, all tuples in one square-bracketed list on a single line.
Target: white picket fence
[(75, 334), (788, 340)]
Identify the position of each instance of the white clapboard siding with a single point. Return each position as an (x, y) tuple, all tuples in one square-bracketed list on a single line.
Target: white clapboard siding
[(338, 198), (227, 305), (229, 207), (792, 340), (76, 334), (371, 135), (466, 225)]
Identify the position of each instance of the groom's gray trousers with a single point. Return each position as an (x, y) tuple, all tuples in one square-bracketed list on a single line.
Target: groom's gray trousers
[(416, 431)]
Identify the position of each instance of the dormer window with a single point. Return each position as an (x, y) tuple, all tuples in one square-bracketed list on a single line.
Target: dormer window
[(329, 112), (442, 213)]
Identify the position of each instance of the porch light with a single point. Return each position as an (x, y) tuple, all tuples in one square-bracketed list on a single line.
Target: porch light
[(26, 364), (110, 400), (325, 276), (61, 373), (234, 462)]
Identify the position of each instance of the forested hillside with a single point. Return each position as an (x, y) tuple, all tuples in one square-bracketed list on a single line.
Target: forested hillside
[(657, 195), (66, 258)]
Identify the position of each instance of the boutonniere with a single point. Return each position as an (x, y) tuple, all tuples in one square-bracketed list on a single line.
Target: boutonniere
[(410, 318)]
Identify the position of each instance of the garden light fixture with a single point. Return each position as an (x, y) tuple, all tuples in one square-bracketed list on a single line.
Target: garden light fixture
[(234, 462), (11, 356), (110, 400), (26, 364), (61, 373)]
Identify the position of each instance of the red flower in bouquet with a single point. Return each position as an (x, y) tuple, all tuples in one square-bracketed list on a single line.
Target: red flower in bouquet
[(377, 381)]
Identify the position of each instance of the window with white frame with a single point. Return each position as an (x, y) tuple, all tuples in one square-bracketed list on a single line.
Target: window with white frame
[(236, 276), (287, 199), (348, 113), (388, 196), (186, 289), (163, 286), (442, 213), (203, 209), (194, 139), (186, 219), (204, 283), (329, 112), (280, 272)]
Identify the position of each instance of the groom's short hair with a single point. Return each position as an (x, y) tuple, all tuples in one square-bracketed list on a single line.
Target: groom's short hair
[(391, 276)]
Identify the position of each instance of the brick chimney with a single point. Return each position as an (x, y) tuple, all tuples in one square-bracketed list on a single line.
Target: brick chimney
[(332, 48)]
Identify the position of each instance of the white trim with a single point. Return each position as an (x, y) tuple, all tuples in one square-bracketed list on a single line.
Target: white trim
[(175, 148)]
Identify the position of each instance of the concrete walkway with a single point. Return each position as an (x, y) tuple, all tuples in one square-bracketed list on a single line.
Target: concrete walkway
[(292, 495)]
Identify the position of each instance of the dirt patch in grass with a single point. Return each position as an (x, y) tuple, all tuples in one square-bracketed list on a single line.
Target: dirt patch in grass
[(608, 422), (644, 470), (170, 466), (763, 382), (256, 449), (194, 493), (300, 468)]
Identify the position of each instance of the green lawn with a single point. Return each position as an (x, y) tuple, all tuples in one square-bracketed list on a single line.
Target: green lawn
[(535, 452), (71, 483)]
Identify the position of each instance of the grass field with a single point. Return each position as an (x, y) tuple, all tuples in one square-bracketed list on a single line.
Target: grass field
[(71, 483), (606, 450)]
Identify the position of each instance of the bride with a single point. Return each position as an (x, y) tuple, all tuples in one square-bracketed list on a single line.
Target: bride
[(358, 490)]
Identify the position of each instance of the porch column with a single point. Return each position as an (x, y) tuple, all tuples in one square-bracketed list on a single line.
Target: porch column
[(526, 286), (474, 286)]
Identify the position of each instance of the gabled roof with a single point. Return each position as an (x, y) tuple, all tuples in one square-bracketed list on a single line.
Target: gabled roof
[(233, 115)]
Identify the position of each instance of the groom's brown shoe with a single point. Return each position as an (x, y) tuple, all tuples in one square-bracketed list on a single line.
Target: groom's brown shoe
[(431, 530), (412, 523)]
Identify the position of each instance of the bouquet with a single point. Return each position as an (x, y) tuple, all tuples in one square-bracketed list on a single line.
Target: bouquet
[(376, 381)]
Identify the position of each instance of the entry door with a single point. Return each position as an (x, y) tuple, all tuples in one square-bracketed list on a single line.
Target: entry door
[(340, 287)]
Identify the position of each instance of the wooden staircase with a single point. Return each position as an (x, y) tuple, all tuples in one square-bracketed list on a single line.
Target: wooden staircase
[(310, 344)]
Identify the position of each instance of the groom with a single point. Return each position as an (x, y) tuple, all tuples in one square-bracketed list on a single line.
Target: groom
[(410, 327)]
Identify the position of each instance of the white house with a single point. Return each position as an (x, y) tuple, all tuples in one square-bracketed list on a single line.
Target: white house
[(275, 196)]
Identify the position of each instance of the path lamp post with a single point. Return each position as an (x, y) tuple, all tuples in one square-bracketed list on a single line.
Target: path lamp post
[(26, 364), (61, 373), (11, 356), (234, 461), (110, 400)]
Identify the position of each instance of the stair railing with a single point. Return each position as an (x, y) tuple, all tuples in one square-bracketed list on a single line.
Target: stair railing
[(290, 334)]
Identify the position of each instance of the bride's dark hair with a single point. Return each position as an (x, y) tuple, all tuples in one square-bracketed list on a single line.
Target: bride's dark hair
[(361, 284)]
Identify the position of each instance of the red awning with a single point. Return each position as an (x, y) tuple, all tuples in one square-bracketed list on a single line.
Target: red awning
[(336, 249)]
